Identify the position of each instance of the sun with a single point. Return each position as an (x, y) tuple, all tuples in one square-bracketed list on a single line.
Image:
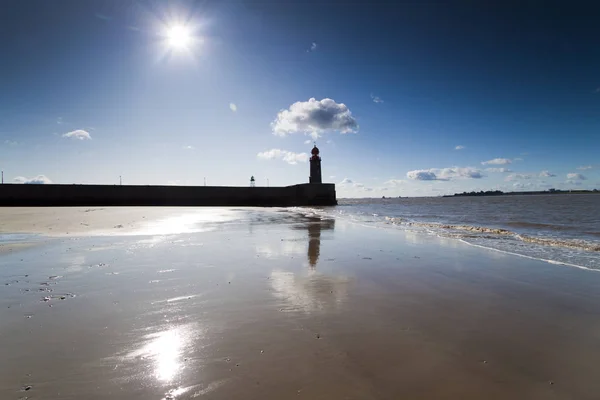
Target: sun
[(179, 37)]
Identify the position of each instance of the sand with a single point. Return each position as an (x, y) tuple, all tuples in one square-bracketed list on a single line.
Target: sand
[(266, 304), (61, 221), (10, 247)]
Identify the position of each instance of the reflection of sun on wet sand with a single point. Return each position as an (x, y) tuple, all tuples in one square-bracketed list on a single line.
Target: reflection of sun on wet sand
[(246, 303)]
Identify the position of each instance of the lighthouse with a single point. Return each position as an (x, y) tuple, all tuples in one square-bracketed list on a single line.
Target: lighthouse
[(315, 166)]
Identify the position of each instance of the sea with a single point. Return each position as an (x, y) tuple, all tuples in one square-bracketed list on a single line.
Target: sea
[(562, 229)]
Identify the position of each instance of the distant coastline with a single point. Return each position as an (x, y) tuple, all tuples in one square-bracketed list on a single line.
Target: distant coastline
[(501, 193)]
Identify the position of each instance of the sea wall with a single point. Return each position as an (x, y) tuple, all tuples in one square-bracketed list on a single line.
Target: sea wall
[(127, 195)]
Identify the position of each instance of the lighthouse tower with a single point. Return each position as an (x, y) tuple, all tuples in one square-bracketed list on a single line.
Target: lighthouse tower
[(315, 166)]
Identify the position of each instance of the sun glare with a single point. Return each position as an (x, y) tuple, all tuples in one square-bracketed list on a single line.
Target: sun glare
[(179, 37)]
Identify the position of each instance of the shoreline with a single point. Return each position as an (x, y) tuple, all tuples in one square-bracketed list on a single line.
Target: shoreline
[(57, 222), (553, 262)]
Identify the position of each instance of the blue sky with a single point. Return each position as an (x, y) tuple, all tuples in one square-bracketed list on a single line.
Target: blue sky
[(402, 99)]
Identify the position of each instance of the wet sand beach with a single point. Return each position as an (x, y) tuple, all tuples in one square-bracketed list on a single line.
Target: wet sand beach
[(215, 303)]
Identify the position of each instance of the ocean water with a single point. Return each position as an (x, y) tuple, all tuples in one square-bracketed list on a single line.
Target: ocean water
[(561, 229)]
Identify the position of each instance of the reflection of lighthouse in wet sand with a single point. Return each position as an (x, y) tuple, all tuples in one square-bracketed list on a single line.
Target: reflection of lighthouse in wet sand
[(315, 166), (314, 239), (314, 243)]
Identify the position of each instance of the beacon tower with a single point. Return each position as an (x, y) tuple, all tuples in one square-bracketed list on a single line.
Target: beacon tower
[(315, 166)]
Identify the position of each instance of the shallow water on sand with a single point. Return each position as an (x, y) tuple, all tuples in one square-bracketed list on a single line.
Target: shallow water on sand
[(274, 305), (561, 228)]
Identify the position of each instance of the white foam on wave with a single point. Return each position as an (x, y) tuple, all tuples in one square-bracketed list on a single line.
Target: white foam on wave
[(530, 257), (555, 242)]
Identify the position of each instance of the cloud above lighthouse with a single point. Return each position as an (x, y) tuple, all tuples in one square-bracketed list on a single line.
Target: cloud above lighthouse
[(315, 117)]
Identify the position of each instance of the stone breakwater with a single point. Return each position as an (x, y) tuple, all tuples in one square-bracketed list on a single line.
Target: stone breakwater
[(129, 195)]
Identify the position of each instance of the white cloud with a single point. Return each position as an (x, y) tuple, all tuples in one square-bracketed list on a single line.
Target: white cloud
[(421, 175), (38, 180), (308, 141), (348, 184), (459, 147), (103, 16), (394, 182), (547, 174), (514, 177), (59, 120), (573, 182), (233, 107), (314, 117), (376, 99), (188, 147), (498, 170), (11, 142), (78, 134), (574, 176), (445, 174), (497, 161), (313, 47), (332, 177), (460, 172), (584, 167), (287, 156)]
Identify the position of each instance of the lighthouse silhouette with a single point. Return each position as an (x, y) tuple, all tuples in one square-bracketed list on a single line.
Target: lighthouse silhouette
[(315, 166)]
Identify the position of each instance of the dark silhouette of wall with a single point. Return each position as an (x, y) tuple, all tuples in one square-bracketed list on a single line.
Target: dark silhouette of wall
[(116, 195)]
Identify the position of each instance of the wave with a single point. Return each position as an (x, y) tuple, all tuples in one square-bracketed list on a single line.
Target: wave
[(499, 232), (531, 257), (537, 225), (572, 244)]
